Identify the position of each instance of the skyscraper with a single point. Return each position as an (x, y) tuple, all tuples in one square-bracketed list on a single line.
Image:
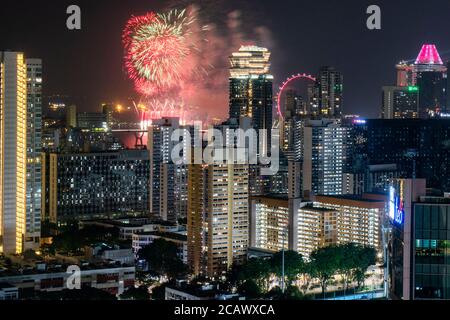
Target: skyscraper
[(160, 146), (431, 78), (326, 95), (168, 181), (34, 148), (429, 74), (400, 102), (251, 94), (323, 157), (13, 151), (414, 145), (217, 217), (251, 87)]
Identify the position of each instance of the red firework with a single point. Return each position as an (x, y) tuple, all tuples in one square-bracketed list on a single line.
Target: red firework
[(156, 51)]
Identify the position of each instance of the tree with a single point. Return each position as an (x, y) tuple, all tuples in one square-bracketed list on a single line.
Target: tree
[(308, 275), (366, 257), (324, 262), (133, 293), (258, 270), (250, 289), (30, 254), (275, 293), (293, 293), (162, 257), (159, 293), (293, 265), (348, 255)]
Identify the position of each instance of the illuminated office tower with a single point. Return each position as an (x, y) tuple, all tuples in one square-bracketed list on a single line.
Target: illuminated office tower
[(251, 93), (429, 74), (400, 102), (251, 87), (13, 151), (218, 219), (34, 146), (323, 157)]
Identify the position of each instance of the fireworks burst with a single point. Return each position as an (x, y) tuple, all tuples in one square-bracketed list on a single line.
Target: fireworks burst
[(156, 51)]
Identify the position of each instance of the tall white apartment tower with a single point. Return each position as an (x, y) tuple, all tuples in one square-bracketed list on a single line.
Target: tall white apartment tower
[(323, 157), (34, 146), (218, 217), (13, 151)]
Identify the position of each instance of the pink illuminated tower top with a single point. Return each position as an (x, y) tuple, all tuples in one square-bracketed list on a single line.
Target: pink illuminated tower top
[(429, 55)]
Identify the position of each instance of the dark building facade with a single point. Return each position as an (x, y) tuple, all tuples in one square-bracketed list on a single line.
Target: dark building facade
[(95, 185), (416, 146), (400, 102), (419, 264), (252, 97)]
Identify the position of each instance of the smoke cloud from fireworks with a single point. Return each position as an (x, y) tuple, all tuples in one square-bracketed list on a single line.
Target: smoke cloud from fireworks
[(184, 54)]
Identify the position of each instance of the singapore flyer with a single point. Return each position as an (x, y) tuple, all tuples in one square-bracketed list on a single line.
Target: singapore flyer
[(286, 83)]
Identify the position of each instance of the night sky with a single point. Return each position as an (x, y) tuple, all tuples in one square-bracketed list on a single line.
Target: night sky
[(302, 35)]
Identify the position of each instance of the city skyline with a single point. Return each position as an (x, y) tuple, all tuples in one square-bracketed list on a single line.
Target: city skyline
[(95, 72), (198, 150)]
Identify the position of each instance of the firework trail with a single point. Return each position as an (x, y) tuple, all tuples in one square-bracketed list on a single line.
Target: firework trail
[(179, 59), (156, 51)]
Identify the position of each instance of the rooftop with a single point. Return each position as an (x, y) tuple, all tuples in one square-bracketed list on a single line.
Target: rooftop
[(317, 209), (352, 198), (5, 285), (429, 55), (167, 235)]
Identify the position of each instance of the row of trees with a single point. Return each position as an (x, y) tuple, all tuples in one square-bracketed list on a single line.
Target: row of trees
[(72, 238), (162, 258), (349, 260)]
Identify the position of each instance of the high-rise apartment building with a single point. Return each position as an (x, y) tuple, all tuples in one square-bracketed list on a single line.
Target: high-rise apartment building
[(168, 181), (323, 157), (217, 217), (340, 219), (81, 186), (326, 97), (271, 221), (13, 151), (34, 148)]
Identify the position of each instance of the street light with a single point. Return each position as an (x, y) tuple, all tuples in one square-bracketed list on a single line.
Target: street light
[(282, 260)]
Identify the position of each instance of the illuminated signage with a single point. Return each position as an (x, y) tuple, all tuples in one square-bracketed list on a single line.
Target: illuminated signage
[(413, 89), (359, 121), (396, 207)]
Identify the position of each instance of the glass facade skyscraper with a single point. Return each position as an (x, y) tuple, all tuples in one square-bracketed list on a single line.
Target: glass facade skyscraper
[(251, 87), (432, 249)]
